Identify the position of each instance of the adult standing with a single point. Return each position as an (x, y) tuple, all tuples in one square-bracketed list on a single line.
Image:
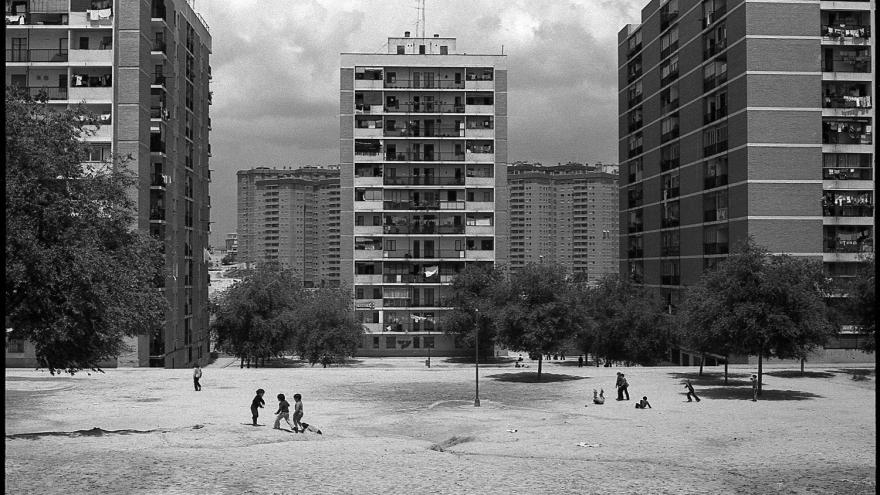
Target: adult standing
[(622, 387), (197, 374), (580, 361)]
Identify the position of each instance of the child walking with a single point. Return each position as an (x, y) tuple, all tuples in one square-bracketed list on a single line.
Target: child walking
[(690, 389), (297, 414), (257, 402), (282, 412)]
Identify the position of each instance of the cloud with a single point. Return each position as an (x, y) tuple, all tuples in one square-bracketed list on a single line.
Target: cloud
[(276, 75)]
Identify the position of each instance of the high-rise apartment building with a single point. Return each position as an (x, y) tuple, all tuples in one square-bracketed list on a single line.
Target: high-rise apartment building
[(423, 152), (745, 118), (142, 68), (565, 215), (291, 217)]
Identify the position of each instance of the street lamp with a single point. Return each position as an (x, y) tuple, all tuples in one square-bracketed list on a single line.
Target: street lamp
[(477, 359)]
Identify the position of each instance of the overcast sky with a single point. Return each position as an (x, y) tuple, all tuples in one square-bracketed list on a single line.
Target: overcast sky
[(276, 76)]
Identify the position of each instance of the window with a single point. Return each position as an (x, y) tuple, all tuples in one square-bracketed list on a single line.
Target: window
[(715, 172), (669, 70), (670, 214), (669, 98), (444, 50), (670, 185), (401, 49), (390, 245), (429, 342), (714, 106), (670, 243), (421, 49), (669, 157), (670, 272), (715, 139), (715, 73), (669, 127), (634, 68), (391, 342), (15, 346), (634, 43), (715, 206), (668, 13), (715, 41), (669, 42), (375, 342), (635, 93), (635, 119), (635, 144)]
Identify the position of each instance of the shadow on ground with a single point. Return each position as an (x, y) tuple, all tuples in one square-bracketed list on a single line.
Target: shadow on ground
[(709, 379), (797, 374), (491, 361), (745, 393), (532, 377)]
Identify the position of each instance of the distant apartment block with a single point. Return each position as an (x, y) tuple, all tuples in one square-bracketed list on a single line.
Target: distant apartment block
[(231, 243), (142, 68), (743, 118), (565, 215), (291, 217), (423, 152)]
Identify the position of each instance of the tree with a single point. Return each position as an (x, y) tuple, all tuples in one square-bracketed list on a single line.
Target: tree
[(473, 298), (536, 311), (757, 304), (325, 326), (629, 323), (79, 277), (254, 316)]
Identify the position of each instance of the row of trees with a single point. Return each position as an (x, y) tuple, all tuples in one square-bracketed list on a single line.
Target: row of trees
[(750, 304), (269, 314)]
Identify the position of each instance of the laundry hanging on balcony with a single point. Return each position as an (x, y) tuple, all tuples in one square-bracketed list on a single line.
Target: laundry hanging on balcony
[(430, 271)]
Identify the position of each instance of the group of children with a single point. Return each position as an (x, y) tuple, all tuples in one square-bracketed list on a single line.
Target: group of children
[(622, 385), (283, 412)]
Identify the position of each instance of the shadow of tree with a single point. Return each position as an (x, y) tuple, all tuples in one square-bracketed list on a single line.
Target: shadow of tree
[(745, 393), (733, 379), (797, 374), (857, 373), (532, 377), (489, 361)]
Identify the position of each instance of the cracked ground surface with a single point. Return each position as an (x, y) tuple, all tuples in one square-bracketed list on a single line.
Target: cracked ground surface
[(397, 427)]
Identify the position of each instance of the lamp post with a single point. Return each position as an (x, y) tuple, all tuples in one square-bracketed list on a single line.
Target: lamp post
[(477, 359)]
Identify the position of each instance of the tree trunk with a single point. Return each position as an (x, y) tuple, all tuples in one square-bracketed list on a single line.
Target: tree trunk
[(726, 358), (702, 359), (241, 364), (540, 360), (802, 366), (760, 369)]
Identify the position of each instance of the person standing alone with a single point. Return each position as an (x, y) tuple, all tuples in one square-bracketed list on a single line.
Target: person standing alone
[(197, 374)]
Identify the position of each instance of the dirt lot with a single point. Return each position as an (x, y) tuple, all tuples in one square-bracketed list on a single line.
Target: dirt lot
[(394, 426)]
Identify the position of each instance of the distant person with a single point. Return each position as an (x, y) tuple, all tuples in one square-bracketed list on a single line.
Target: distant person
[(282, 412), (600, 398), (257, 402), (690, 389), (642, 404), (516, 364), (622, 386), (562, 356), (754, 380), (520, 358), (197, 374), (580, 361)]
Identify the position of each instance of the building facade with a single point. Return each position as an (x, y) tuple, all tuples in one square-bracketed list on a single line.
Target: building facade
[(291, 217), (565, 215), (142, 68), (745, 118), (423, 152), (231, 243)]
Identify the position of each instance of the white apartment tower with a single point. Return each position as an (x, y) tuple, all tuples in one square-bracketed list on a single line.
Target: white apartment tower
[(423, 184)]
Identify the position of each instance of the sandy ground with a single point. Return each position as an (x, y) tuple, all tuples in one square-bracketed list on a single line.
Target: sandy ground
[(394, 426)]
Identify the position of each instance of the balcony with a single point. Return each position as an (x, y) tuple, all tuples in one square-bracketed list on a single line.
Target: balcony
[(670, 280), (50, 93), (367, 279), (92, 57), (714, 114), (59, 18), (716, 215), (422, 180), (394, 83), (866, 210), (368, 109), (480, 230), (635, 253), (714, 181), (408, 156), (368, 132), (92, 19), (670, 193), (634, 227), (367, 206), (669, 164), (478, 205), (50, 55), (367, 156), (157, 144), (848, 174), (433, 131), (847, 245), (430, 228), (714, 148), (98, 133), (480, 181), (368, 254), (667, 223), (426, 254), (480, 156), (670, 251), (715, 248), (479, 85), (159, 80), (479, 109), (671, 134), (157, 214), (846, 35), (402, 278)]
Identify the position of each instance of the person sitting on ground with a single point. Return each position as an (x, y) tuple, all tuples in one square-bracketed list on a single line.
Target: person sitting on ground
[(598, 398), (642, 404)]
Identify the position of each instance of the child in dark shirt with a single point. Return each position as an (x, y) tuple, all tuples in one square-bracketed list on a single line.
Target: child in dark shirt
[(282, 412), (643, 404), (257, 402)]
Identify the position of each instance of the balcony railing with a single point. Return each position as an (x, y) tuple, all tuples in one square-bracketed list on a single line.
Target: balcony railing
[(423, 254), (423, 180), (424, 205), (424, 84), (423, 229), (670, 134), (157, 145), (846, 34), (157, 214), (635, 227), (409, 107), (715, 215), (714, 148), (669, 164), (37, 55), (635, 253), (404, 156), (714, 181), (837, 245), (848, 211), (670, 192), (38, 18), (159, 79), (441, 131), (670, 251), (714, 114), (847, 102), (715, 248), (51, 93), (846, 174), (410, 279), (670, 279), (666, 223)]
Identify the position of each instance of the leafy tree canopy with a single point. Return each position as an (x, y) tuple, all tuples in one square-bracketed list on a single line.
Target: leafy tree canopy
[(79, 278)]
